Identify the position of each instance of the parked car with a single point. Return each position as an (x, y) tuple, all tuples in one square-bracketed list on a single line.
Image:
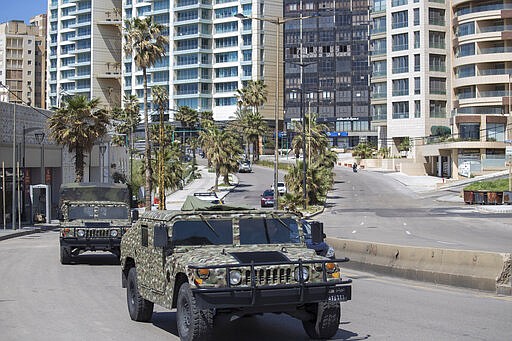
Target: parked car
[(322, 248), (244, 166), (281, 188), (267, 198), (210, 197)]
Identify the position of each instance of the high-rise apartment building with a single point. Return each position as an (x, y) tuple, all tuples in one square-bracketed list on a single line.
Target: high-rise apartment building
[(410, 69), (18, 58), (211, 54), (84, 50), (327, 67), (40, 22)]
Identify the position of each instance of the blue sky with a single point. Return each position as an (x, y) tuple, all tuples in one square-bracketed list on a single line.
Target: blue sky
[(21, 9)]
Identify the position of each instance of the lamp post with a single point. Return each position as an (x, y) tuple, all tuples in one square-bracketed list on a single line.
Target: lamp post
[(278, 21), (40, 140), (102, 148)]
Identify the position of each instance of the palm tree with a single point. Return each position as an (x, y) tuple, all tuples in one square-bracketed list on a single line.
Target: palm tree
[(161, 99), (189, 119), (222, 149), (256, 94), (77, 125), (147, 45), (315, 137)]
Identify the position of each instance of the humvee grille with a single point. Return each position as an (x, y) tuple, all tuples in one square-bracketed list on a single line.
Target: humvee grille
[(97, 233), (264, 276)]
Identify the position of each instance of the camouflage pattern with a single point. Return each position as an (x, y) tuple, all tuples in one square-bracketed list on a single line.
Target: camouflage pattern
[(94, 198), (158, 269)]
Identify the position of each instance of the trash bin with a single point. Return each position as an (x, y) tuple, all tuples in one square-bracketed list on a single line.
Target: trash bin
[(480, 197), (494, 198), (469, 197), (507, 197)]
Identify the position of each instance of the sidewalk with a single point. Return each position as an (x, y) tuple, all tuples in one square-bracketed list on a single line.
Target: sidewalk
[(205, 183), (173, 201)]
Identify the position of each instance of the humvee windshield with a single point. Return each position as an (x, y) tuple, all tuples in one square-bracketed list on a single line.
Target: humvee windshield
[(259, 230), (203, 232), (95, 212)]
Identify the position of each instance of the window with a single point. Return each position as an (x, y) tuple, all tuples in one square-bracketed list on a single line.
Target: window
[(379, 25), (495, 132), (399, 19), (401, 87), (417, 109), (437, 62), (464, 50), (379, 90), (465, 71), (416, 16), (416, 39), (379, 112), (400, 42), (417, 62), (400, 110), (437, 86), (379, 5), (436, 40), (417, 85), (379, 68), (379, 47), (194, 232), (465, 29), (438, 109), (469, 131), (396, 3), (436, 16), (401, 64), (466, 92)]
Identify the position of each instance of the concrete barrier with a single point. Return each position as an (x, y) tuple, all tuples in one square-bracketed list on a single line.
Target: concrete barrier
[(489, 271)]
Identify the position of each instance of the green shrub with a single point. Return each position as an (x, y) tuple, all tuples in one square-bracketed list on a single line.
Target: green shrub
[(499, 185)]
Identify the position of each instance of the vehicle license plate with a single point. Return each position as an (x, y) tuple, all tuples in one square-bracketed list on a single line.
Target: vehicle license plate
[(340, 294)]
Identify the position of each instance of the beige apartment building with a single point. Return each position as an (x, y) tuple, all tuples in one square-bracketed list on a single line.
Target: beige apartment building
[(446, 64), (84, 51), (21, 55)]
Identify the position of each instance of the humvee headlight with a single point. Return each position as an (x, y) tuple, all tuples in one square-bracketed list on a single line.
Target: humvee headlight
[(113, 233), (235, 276), (80, 233), (304, 275), (330, 267), (203, 273)]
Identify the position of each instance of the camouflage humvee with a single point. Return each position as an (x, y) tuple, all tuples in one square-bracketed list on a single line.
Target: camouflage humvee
[(215, 261), (93, 216)]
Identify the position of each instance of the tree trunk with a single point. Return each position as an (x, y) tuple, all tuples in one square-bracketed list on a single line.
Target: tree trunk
[(79, 164), (217, 174), (147, 144), (161, 182), (226, 179)]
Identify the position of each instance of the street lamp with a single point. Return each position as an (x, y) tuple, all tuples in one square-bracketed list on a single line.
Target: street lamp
[(278, 21), (103, 148), (40, 140)]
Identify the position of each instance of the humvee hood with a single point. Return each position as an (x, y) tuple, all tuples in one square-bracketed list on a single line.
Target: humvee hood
[(205, 256)]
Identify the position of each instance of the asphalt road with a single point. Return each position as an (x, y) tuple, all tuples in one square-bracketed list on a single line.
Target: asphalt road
[(40, 299)]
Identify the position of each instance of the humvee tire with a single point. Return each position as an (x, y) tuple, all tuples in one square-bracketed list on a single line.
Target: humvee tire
[(326, 321), (193, 324), (140, 309), (65, 255)]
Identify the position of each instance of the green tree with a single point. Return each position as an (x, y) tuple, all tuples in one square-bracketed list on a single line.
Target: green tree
[(363, 150), (161, 99), (146, 44), (316, 139), (189, 119), (77, 124), (223, 151)]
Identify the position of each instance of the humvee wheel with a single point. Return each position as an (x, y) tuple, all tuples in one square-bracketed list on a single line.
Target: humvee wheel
[(326, 321), (65, 255), (193, 323), (140, 309)]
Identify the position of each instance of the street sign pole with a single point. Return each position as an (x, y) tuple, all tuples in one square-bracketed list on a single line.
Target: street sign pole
[(508, 154)]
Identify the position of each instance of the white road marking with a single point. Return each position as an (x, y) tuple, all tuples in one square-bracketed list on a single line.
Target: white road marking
[(362, 223), (354, 231), (448, 243), (407, 232), (405, 224)]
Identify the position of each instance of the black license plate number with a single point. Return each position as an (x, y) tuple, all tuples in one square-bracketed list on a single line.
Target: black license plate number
[(339, 294)]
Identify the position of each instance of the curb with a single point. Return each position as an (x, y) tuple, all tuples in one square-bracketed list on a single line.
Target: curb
[(487, 271), (18, 233)]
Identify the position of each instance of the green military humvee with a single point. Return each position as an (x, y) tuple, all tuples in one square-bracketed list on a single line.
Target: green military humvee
[(216, 260), (93, 216)]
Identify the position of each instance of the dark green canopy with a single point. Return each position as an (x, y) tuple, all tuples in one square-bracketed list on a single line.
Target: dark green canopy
[(193, 203)]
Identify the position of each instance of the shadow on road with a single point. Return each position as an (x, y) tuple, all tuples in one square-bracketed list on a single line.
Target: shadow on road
[(95, 259)]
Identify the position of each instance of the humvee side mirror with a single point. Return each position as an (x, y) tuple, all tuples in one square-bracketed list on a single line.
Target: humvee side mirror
[(160, 237), (317, 232), (135, 215)]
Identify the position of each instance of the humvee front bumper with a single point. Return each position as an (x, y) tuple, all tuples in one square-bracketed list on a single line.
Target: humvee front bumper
[(91, 244), (266, 296)]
